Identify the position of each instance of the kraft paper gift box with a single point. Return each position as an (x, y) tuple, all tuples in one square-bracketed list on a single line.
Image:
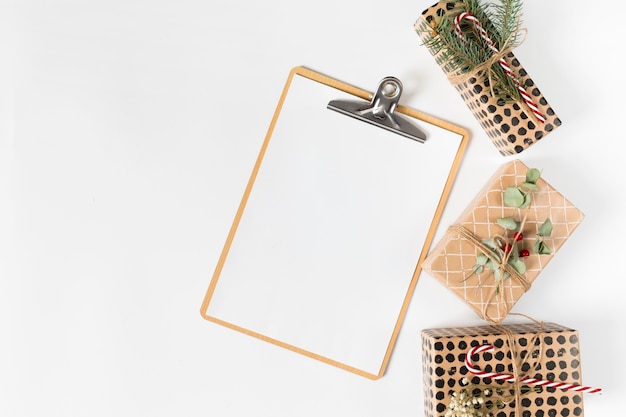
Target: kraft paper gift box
[(453, 259), (511, 125), (544, 351)]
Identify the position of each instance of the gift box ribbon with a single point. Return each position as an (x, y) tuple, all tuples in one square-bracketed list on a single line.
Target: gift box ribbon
[(477, 242), (499, 58), (517, 380)]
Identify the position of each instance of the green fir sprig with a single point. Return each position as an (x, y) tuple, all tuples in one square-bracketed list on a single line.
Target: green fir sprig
[(501, 20)]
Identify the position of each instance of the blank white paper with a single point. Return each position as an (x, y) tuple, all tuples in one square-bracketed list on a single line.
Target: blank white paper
[(333, 229)]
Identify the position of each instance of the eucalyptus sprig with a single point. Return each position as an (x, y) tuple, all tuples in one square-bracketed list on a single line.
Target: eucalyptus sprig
[(505, 250), (520, 197), (501, 20)]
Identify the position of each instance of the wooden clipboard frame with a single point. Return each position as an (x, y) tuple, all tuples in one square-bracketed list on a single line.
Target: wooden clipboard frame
[(365, 95)]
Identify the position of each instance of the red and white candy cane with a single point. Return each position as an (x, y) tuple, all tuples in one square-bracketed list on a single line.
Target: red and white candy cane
[(527, 381), (507, 69)]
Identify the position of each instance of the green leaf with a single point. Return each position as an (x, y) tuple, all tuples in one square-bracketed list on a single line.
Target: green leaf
[(514, 197), (532, 175), (492, 265), (477, 269), (481, 259), (505, 275), (509, 223), (518, 265), (529, 186), (526, 202), (496, 274), (491, 243), (545, 229), (541, 248), (495, 256), (514, 255)]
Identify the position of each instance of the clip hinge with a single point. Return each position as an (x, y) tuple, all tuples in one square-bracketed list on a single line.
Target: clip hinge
[(380, 111)]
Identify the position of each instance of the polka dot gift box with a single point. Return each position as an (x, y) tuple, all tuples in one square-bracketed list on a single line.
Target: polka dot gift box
[(458, 382), (476, 56), (490, 256)]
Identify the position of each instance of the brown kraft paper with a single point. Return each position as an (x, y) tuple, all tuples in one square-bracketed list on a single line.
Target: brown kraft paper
[(511, 126), (452, 259), (545, 351)]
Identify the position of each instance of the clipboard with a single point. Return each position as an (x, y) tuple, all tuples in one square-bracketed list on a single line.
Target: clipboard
[(326, 247)]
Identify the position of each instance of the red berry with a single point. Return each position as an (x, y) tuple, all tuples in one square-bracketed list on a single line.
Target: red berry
[(507, 247), (518, 236), (523, 253)]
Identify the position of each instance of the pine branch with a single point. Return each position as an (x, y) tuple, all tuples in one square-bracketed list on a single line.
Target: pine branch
[(507, 18), (484, 14), (501, 22), (451, 52)]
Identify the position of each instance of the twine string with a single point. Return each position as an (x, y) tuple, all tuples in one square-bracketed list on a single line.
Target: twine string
[(517, 378), (487, 67), (498, 56), (518, 361), (501, 261)]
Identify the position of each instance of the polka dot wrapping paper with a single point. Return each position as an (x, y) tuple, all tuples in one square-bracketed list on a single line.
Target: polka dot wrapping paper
[(512, 125), (544, 351), (452, 259)]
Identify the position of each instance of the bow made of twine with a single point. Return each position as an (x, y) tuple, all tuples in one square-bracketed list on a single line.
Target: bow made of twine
[(518, 378), (501, 61), (488, 66), (501, 261), (463, 232), (518, 361)]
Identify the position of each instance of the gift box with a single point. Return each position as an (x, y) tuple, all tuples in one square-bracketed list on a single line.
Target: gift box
[(544, 351), (489, 266), (514, 124)]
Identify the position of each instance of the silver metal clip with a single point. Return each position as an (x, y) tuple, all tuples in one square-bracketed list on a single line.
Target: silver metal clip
[(380, 112)]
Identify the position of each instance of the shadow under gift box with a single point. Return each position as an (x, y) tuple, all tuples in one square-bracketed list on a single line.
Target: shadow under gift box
[(511, 126), (452, 259), (548, 351)]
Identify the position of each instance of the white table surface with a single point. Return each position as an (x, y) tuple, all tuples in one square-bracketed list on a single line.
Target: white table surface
[(128, 129)]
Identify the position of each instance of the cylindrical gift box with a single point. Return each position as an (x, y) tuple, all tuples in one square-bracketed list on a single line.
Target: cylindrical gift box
[(511, 125)]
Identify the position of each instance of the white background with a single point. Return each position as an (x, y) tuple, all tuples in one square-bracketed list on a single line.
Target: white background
[(128, 130)]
